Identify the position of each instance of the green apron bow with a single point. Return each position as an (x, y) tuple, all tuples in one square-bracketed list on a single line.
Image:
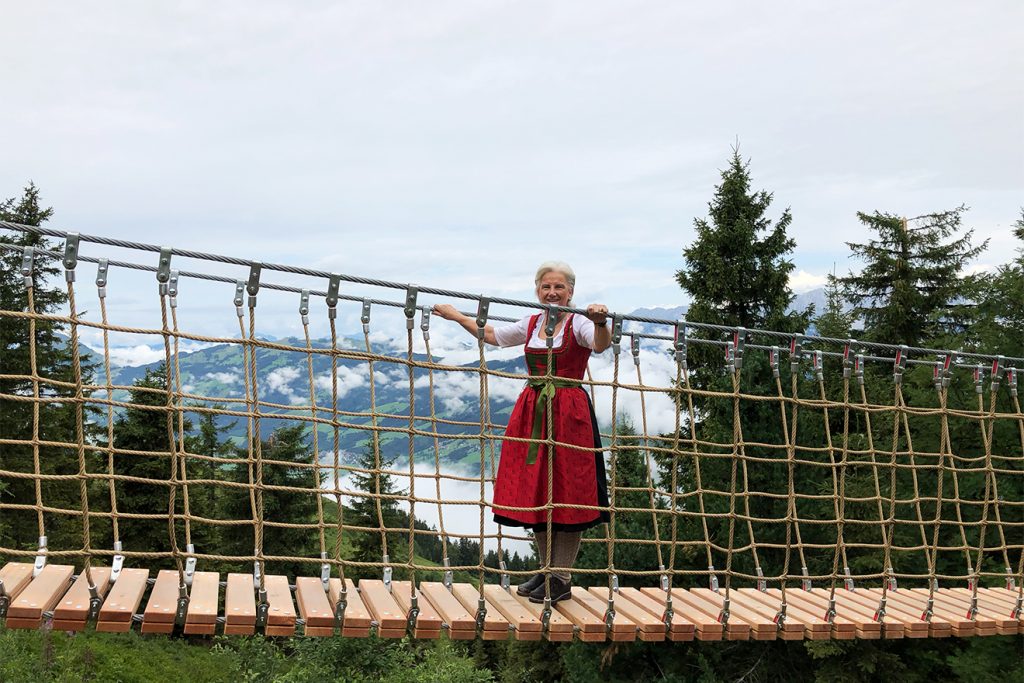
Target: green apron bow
[(545, 394)]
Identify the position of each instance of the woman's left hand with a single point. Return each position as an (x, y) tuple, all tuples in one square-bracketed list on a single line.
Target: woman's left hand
[(597, 313)]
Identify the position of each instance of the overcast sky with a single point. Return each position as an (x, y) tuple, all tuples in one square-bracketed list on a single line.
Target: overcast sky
[(457, 144)]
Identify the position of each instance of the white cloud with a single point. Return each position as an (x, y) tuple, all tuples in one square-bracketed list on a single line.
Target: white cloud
[(132, 356), (224, 377), (280, 380), (348, 379), (801, 281)]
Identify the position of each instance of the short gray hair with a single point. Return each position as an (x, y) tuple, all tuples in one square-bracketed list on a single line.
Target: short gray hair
[(556, 267)]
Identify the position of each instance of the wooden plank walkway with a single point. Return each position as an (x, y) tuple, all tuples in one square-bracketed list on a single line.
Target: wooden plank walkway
[(58, 596)]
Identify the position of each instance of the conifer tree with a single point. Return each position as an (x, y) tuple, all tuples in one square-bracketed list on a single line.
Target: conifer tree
[(913, 288), (53, 363), (368, 546)]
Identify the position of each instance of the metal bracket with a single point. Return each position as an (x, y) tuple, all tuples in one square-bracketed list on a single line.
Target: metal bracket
[(425, 322), (339, 607), (172, 288), (997, 371), (304, 306), (739, 342), (181, 613), (545, 616), (847, 359), (447, 575), (830, 613), (1018, 608), (387, 573), (5, 601), (116, 564), (880, 612), (780, 617), (70, 255), (239, 297), (365, 316), (723, 616), (410, 305), (616, 334), (40, 562), (609, 615), (163, 269), (262, 610), (979, 378), (325, 572), (1011, 582), (730, 357), (634, 347), (858, 368), (819, 371), (333, 286), (712, 578), (27, 264), (101, 276), (891, 579), (796, 351), (899, 364), (669, 612), (481, 614), (928, 610), (762, 585), (615, 583), (664, 579), (805, 582), (680, 342), (95, 603), (252, 285), (505, 582), (1011, 380), (414, 613), (483, 307), (848, 579), (773, 360), (972, 611)]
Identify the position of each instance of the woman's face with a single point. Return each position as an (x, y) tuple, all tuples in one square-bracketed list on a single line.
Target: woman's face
[(554, 289)]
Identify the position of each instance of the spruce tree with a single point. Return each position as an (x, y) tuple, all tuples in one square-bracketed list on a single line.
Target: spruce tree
[(913, 288), (368, 546), (53, 362)]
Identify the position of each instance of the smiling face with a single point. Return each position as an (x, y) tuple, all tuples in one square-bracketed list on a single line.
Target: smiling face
[(554, 289)]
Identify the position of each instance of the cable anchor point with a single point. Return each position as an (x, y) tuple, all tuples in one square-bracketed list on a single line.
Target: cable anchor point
[(116, 564), (27, 265), (805, 582), (40, 561), (71, 243)]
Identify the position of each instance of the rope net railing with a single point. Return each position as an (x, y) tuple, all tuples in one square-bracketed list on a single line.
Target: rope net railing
[(762, 459)]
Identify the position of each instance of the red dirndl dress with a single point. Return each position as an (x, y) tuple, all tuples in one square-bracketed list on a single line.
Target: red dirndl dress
[(578, 475)]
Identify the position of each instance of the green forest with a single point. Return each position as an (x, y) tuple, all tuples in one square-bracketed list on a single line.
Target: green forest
[(910, 283)]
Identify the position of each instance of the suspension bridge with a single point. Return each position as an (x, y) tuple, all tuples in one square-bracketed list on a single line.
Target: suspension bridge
[(847, 516)]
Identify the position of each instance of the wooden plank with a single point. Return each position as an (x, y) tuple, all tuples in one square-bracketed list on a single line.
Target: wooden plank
[(759, 627), (591, 628), (448, 607), (428, 622), (798, 624), (123, 600), (357, 616), (624, 629), (314, 607), (705, 627), (1000, 606), (680, 628), (389, 616), (652, 629), (163, 599), (281, 615), (891, 627), (559, 627), (987, 613), (705, 618), (495, 622), (811, 606), (521, 619), (72, 611), (203, 603), (943, 624), (15, 577), (240, 605), (41, 595)]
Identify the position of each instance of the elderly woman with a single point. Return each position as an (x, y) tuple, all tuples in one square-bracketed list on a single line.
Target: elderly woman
[(578, 463)]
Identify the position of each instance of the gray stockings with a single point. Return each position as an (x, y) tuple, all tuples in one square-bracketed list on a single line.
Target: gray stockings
[(564, 549)]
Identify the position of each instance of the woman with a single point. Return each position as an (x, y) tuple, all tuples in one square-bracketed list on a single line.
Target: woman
[(578, 476)]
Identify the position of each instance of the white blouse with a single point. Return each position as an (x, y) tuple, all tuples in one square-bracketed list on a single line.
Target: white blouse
[(515, 334)]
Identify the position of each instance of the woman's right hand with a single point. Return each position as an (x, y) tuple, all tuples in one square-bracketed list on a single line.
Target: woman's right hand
[(447, 311)]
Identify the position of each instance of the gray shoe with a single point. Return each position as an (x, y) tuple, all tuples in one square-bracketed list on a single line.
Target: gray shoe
[(560, 590), (528, 587)]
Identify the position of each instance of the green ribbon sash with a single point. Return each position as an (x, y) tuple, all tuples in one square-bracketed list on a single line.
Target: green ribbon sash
[(546, 393)]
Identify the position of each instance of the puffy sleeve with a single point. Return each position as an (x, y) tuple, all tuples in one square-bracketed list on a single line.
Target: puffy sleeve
[(583, 328), (512, 335)]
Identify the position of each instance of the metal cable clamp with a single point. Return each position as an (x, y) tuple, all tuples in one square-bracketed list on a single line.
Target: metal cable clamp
[(483, 307), (239, 298), (40, 561), (325, 572), (712, 578), (410, 305), (117, 563), (333, 285), (805, 582), (762, 585), (780, 617), (27, 265), (163, 269), (71, 243)]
